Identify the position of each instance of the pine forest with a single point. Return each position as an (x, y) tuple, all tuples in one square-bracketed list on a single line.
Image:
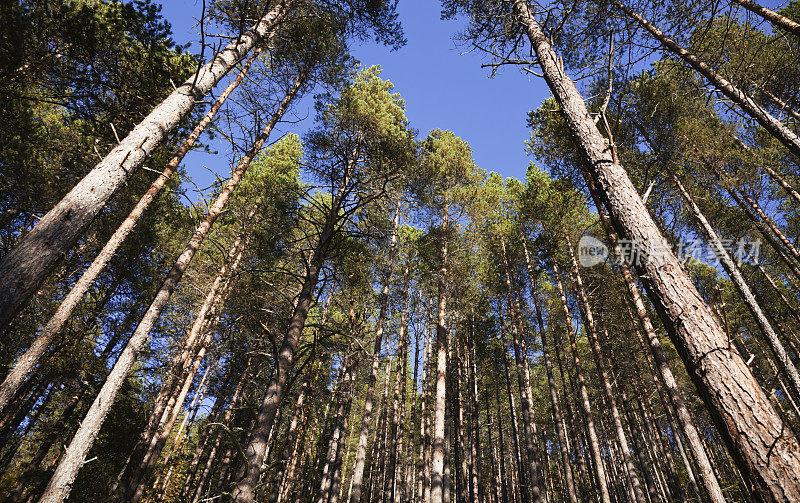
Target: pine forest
[(239, 266)]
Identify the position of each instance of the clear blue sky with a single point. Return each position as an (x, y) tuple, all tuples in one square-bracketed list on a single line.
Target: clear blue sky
[(442, 87)]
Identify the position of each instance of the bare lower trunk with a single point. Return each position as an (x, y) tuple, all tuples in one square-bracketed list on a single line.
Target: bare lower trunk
[(591, 332), (524, 383), (559, 426), (743, 414), (23, 270), (28, 361), (60, 485), (437, 458), (594, 443), (357, 479)]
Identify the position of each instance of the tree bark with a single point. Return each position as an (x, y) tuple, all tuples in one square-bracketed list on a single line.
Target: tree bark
[(771, 16), (60, 485), (28, 361), (23, 270), (744, 416)]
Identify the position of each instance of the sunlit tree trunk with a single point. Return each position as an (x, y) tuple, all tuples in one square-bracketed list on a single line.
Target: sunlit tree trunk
[(23, 270), (28, 361), (741, 410)]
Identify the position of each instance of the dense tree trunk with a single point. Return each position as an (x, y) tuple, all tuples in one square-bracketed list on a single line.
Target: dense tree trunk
[(710, 482), (743, 414), (23, 270), (60, 485), (775, 344), (558, 425), (184, 366), (366, 421), (28, 361), (594, 443), (524, 383), (594, 344)]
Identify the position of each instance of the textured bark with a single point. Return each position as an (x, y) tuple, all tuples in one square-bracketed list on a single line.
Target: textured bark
[(594, 443), (771, 16), (775, 344), (710, 482), (774, 126), (60, 485), (594, 344), (23, 270), (28, 361), (741, 410), (357, 479)]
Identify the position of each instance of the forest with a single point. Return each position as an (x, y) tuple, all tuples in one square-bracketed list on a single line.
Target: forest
[(356, 311)]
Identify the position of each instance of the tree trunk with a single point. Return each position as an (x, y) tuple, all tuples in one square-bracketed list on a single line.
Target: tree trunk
[(594, 443), (184, 366), (744, 416), (60, 485), (774, 126), (787, 366), (710, 481), (524, 382), (771, 16), (28, 361), (437, 458), (366, 421), (556, 409), (594, 344), (23, 270)]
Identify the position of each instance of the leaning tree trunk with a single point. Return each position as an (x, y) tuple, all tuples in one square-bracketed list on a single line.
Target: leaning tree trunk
[(559, 424), (23, 270), (786, 364), (710, 481), (774, 126), (357, 479), (60, 485), (594, 443), (771, 16), (741, 410), (591, 332), (28, 361), (153, 438)]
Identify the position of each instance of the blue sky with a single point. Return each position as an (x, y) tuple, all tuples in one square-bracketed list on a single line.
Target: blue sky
[(442, 87)]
